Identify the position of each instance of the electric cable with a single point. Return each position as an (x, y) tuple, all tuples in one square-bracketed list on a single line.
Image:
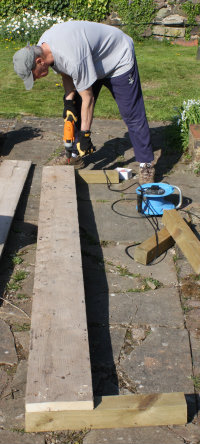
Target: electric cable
[(153, 221)]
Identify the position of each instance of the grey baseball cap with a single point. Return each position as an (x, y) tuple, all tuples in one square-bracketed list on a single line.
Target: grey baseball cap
[(23, 61)]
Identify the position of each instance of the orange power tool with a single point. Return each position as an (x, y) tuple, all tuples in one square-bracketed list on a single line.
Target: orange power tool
[(69, 135)]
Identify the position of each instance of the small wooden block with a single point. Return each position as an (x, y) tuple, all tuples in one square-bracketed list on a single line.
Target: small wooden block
[(98, 176), (115, 412), (153, 247), (184, 237)]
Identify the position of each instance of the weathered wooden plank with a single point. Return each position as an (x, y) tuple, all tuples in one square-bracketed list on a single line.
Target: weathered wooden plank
[(153, 247), (59, 373), (184, 237), (13, 174), (115, 412), (98, 176)]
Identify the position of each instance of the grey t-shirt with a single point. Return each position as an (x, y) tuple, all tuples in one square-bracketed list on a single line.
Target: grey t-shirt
[(88, 51)]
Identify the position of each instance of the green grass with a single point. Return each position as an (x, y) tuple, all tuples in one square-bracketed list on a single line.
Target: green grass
[(169, 74)]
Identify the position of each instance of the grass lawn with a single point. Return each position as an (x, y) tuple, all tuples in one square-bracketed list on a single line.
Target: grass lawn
[(169, 75)]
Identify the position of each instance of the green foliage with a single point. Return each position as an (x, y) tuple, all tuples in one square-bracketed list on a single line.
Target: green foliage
[(188, 114), (26, 27), (94, 10), (192, 10), (56, 7), (11, 7), (137, 16)]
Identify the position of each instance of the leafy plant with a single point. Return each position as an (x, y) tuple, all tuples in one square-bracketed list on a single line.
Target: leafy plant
[(137, 16), (188, 114), (28, 26), (94, 10), (20, 275), (192, 10), (17, 260), (196, 382), (197, 169)]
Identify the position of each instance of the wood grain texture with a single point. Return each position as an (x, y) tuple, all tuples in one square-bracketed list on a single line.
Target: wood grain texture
[(116, 412), (98, 176), (153, 247), (13, 174), (184, 237), (59, 373)]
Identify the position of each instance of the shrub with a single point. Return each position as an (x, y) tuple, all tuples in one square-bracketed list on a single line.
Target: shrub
[(137, 16), (26, 27), (192, 10), (94, 10), (188, 114)]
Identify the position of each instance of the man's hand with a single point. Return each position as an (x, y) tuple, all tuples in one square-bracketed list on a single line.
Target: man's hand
[(69, 109), (84, 144)]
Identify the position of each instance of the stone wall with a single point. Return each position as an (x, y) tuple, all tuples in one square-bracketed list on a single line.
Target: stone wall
[(170, 22)]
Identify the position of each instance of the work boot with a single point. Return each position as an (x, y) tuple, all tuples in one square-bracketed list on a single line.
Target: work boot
[(146, 173)]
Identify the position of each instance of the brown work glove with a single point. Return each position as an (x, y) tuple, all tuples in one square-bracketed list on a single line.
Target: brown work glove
[(84, 144)]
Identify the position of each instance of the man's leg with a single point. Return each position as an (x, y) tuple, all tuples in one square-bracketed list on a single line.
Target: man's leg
[(126, 90)]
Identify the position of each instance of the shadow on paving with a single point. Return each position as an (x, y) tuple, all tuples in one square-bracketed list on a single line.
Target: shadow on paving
[(170, 147), (20, 235), (104, 376), (18, 136), (113, 152), (193, 406)]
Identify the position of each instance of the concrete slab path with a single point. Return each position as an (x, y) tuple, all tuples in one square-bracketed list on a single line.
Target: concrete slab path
[(143, 321)]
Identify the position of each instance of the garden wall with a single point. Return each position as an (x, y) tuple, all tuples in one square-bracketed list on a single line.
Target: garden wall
[(170, 22)]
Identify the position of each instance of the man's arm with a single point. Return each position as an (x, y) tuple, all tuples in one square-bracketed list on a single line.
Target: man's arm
[(68, 87), (87, 109)]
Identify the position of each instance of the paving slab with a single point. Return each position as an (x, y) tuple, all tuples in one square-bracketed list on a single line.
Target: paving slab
[(12, 413), (22, 340), (194, 338), (18, 385), (162, 363), (115, 256), (162, 268), (100, 222), (148, 435), (156, 308), (8, 353), (19, 437), (13, 315)]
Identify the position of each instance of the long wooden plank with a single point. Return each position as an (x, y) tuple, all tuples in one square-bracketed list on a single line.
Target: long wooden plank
[(98, 176), (116, 412), (153, 247), (184, 237), (59, 373), (13, 174)]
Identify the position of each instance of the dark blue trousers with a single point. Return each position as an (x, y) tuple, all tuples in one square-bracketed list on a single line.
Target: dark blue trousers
[(127, 92)]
